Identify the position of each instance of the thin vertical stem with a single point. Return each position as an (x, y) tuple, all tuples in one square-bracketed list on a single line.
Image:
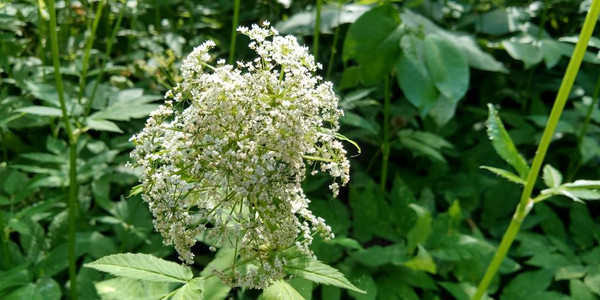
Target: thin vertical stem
[(385, 147), (525, 203), (88, 48), (234, 25), (72, 155), (109, 45), (336, 34), (317, 30)]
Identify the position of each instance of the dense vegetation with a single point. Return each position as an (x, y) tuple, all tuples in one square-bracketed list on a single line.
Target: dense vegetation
[(419, 219)]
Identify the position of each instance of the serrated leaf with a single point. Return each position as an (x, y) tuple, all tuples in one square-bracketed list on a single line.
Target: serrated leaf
[(318, 272), (189, 291), (552, 177), (143, 267), (281, 290), (503, 144), (510, 176), (131, 289)]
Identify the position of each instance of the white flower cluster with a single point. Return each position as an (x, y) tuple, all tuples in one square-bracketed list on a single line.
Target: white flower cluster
[(226, 158)]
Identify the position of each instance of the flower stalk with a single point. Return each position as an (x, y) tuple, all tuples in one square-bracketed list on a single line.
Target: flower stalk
[(525, 203), (72, 140)]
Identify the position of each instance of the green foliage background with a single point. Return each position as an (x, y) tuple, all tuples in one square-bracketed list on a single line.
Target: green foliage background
[(419, 220)]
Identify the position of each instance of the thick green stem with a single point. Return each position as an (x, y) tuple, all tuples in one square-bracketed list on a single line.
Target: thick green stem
[(385, 146), (234, 25), (109, 45), (317, 30), (88, 49), (72, 155), (525, 202)]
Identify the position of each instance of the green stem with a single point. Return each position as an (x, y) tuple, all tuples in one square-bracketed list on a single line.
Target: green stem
[(317, 30), (109, 45), (576, 164), (88, 49), (336, 34), (234, 25), (72, 148), (385, 147), (525, 203)]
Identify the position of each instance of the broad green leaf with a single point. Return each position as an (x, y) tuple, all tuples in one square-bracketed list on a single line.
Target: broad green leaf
[(506, 174), (332, 15), (580, 291), (318, 272), (124, 112), (527, 53), (422, 262), (373, 42), (592, 279), (552, 177), (443, 110), (503, 144), (346, 242), (302, 286), (281, 290), (475, 56), (43, 289), (143, 267), (447, 66), (131, 289), (17, 276), (551, 52), (413, 77), (41, 111)]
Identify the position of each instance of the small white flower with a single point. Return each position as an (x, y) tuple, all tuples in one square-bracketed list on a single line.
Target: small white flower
[(227, 156)]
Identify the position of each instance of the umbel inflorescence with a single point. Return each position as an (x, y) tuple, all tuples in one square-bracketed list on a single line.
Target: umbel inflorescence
[(226, 157)]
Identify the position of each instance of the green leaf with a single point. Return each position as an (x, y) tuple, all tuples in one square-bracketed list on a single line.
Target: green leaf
[(102, 125), (318, 272), (422, 262), (413, 77), (592, 279), (447, 66), (41, 111), (131, 289), (373, 42), (190, 291), (503, 143), (570, 272), (506, 174), (143, 267), (281, 290), (422, 229), (526, 284), (582, 226), (376, 256), (580, 291), (527, 53), (43, 289), (461, 291), (552, 177)]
